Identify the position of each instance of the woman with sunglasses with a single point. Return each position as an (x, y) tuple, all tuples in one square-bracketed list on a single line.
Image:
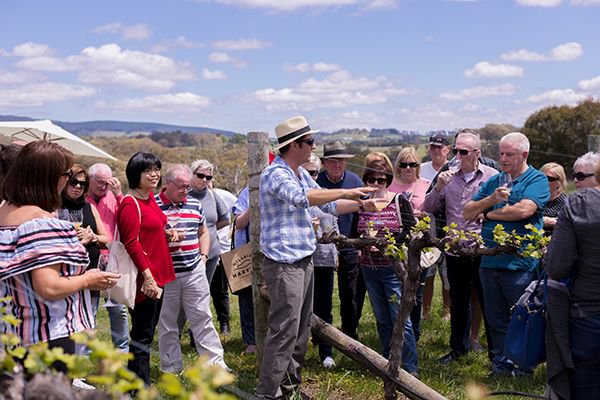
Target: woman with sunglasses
[(407, 180), (557, 180), (584, 169), (141, 225), (216, 217), (381, 281), (91, 233), (43, 267)]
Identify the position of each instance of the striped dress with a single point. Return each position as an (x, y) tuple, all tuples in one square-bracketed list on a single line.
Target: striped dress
[(35, 244)]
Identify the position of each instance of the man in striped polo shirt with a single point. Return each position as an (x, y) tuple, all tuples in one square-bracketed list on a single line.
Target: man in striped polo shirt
[(190, 290)]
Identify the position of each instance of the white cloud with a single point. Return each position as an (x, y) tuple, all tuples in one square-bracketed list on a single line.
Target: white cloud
[(349, 119), (134, 32), (539, 3), (31, 49), (590, 84), (288, 5), (522, 55), (4, 53), (563, 52), (111, 65), (380, 4), (19, 77), (488, 70), (585, 2), (557, 96), (40, 94), (241, 44), (567, 52), (337, 90), (224, 58), (213, 74), (180, 42), (318, 66), (480, 91), (164, 103)]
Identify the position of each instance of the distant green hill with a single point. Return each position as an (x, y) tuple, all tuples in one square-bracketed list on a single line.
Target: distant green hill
[(117, 128)]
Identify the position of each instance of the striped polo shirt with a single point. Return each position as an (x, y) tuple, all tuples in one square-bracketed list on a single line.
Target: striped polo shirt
[(186, 253), (38, 243)]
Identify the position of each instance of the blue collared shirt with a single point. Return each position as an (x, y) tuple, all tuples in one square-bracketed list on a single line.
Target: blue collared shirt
[(286, 231)]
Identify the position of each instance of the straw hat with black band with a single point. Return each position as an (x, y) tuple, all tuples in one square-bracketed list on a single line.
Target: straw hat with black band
[(292, 129)]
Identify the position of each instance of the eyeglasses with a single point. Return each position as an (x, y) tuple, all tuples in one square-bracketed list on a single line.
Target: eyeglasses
[(187, 188), (380, 181), (68, 174), (75, 183), (153, 170), (580, 176), (463, 152), (551, 178), (408, 164), (313, 172), (309, 142), (202, 176)]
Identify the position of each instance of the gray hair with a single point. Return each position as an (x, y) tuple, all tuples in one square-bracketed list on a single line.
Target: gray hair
[(516, 138), (314, 159), (204, 164), (591, 159), (471, 134), (99, 167), (177, 169)]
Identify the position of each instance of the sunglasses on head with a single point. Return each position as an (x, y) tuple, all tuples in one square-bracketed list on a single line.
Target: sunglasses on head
[(579, 176), (202, 176), (463, 152), (551, 178), (75, 183), (68, 174), (312, 172), (408, 164), (380, 181)]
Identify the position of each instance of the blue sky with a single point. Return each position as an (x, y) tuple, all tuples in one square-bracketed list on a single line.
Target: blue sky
[(245, 65)]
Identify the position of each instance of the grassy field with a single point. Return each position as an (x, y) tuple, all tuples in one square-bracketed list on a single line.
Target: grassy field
[(350, 381)]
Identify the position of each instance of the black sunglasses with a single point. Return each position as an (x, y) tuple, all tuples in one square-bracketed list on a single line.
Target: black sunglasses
[(313, 172), (380, 181), (463, 152), (551, 178), (408, 164), (68, 174), (202, 176), (579, 176), (309, 142), (75, 182)]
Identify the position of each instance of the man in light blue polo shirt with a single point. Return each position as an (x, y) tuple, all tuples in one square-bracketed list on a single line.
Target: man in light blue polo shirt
[(504, 277)]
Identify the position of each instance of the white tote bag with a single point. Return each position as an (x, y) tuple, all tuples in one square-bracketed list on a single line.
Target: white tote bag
[(120, 262)]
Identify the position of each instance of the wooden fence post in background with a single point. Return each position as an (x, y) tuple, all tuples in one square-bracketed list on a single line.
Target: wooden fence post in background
[(594, 143), (258, 159)]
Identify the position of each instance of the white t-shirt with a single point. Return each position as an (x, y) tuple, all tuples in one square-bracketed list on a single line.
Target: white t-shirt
[(427, 171)]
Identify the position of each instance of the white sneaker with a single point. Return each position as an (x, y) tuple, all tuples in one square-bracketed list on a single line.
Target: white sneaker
[(80, 384), (328, 362)]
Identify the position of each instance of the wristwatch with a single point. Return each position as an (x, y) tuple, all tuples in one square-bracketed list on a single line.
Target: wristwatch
[(204, 255), (485, 215)]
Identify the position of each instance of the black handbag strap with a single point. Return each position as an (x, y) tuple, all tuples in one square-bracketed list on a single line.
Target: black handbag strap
[(543, 278)]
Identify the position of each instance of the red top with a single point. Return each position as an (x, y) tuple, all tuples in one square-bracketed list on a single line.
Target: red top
[(152, 249)]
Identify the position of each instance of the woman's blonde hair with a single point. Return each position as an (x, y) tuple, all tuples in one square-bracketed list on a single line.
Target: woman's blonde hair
[(558, 170), (404, 154)]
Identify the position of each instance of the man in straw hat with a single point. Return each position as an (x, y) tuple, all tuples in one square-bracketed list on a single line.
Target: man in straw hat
[(287, 239), (351, 286)]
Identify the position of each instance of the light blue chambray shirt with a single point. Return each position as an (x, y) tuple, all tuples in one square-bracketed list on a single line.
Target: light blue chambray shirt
[(286, 231)]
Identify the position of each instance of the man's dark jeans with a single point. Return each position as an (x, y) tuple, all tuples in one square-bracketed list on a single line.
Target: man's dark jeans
[(347, 279)]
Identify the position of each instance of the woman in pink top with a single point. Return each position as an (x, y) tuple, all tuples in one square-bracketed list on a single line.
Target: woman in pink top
[(407, 180)]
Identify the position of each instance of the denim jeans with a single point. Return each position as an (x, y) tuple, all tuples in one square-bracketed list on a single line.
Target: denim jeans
[(347, 281), (501, 290), (323, 305), (382, 284), (585, 348), (119, 326)]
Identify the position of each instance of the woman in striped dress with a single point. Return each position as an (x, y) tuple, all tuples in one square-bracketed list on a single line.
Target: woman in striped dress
[(43, 267)]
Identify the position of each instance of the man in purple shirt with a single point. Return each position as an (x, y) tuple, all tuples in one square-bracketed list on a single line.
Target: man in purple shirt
[(451, 192)]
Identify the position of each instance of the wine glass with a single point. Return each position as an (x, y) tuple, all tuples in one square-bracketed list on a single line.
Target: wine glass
[(76, 217), (380, 199), (505, 180), (63, 214), (172, 217), (454, 165)]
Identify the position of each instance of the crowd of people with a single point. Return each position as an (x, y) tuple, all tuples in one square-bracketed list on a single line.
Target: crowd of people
[(58, 218)]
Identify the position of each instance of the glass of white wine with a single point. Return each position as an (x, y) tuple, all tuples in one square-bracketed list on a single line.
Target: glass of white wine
[(505, 181), (454, 165), (76, 217)]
